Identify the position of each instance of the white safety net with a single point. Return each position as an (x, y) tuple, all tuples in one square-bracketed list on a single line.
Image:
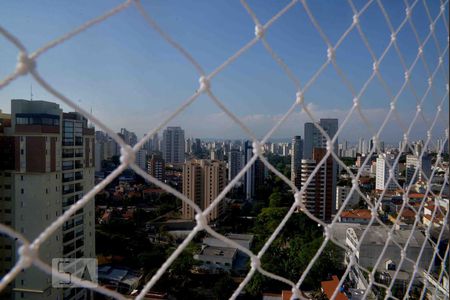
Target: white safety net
[(435, 65)]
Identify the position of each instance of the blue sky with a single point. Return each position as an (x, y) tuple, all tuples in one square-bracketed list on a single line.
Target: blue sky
[(132, 78)]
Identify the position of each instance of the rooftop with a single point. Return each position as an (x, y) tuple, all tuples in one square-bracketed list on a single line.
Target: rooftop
[(357, 214), (378, 236), (218, 251), (237, 236), (330, 286), (408, 213)]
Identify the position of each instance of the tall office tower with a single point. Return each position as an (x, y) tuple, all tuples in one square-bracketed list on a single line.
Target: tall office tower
[(383, 172), (128, 136), (105, 148), (364, 149), (203, 180), (216, 154), (101, 140), (296, 160), (173, 145), (156, 167), (148, 145), (188, 146), (249, 175), (141, 159), (113, 148), (78, 177), (47, 163), (403, 146), (378, 147), (274, 148), (234, 163), (414, 162), (197, 146), (256, 175), (360, 146), (442, 144), (155, 143), (318, 196), (417, 147), (285, 149)]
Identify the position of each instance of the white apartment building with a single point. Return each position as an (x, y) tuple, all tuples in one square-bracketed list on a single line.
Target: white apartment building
[(383, 172)]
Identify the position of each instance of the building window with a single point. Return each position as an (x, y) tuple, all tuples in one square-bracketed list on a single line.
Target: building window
[(22, 191), (21, 152), (7, 186), (21, 177)]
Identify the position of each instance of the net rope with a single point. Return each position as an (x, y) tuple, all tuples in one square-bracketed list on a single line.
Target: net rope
[(27, 64)]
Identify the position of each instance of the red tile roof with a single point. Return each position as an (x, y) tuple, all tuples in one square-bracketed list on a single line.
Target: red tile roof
[(357, 214), (286, 295), (329, 287), (437, 219), (408, 213), (416, 196)]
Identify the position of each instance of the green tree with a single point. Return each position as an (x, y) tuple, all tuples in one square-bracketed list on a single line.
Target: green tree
[(275, 199)]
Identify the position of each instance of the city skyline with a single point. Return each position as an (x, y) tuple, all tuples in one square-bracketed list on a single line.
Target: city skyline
[(253, 87), (239, 193)]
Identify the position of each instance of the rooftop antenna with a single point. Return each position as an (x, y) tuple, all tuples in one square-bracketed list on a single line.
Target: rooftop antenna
[(31, 92)]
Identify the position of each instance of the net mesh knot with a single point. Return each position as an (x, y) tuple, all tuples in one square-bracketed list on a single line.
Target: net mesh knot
[(28, 254), (25, 64), (127, 155)]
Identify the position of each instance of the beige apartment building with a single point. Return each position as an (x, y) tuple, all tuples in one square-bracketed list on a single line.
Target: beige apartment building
[(41, 175), (203, 180)]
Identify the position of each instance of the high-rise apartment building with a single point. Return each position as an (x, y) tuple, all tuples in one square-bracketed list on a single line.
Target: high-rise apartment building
[(442, 144), (296, 160), (156, 167), (203, 180), (234, 163), (382, 175), (78, 178), (141, 159), (342, 193), (30, 191), (256, 175), (46, 165), (128, 136), (314, 139), (423, 164), (173, 145), (319, 193)]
